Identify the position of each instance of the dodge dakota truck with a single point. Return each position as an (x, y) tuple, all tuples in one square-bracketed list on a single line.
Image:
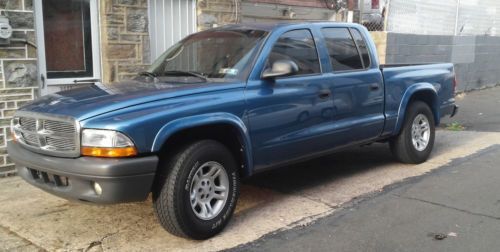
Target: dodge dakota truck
[(222, 105)]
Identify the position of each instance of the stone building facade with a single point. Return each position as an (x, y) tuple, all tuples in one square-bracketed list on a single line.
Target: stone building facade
[(124, 45), (18, 70), (124, 38)]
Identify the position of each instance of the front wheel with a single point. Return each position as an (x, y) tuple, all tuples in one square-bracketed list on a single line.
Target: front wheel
[(414, 143), (196, 190)]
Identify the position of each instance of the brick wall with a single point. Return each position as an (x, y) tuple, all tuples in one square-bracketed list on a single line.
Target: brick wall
[(18, 71), (124, 38)]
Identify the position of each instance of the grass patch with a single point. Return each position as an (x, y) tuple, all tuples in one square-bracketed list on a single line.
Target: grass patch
[(455, 126)]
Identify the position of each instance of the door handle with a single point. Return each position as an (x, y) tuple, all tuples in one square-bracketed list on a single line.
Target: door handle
[(86, 81), (374, 86), (323, 94)]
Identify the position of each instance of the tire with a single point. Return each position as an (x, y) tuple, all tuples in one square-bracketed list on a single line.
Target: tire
[(403, 147), (177, 178)]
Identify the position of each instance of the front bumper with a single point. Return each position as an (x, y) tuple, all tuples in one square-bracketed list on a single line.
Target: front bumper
[(121, 179)]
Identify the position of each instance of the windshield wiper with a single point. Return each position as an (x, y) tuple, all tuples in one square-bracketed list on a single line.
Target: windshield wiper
[(149, 74), (184, 73)]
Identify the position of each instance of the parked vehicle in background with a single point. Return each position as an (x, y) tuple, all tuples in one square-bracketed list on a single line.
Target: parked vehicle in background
[(222, 105), (373, 14)]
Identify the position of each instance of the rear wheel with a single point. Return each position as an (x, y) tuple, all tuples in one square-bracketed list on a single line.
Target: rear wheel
[(196, 190), (414, 143)]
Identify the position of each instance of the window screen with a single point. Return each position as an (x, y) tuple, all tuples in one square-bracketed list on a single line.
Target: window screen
[(363, 49), (298, 46), (342, 50)]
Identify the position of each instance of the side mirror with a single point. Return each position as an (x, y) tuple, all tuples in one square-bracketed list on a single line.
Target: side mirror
[(280, 68)]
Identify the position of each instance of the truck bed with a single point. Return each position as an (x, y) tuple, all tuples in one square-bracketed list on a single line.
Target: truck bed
[(383, 66), (400, 78)]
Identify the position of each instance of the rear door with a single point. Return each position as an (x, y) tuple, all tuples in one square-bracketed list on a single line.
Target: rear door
[(358, 87)]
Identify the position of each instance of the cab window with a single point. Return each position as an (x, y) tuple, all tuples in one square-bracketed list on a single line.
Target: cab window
[(297, 46), (363, 49), (344, 55)]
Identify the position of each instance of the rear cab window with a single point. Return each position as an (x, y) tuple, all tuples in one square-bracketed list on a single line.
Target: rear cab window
[(362, 47), (299, 47), (345, 54)]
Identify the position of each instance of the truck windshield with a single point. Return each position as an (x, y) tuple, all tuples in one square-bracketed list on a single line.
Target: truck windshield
[(215, 55)]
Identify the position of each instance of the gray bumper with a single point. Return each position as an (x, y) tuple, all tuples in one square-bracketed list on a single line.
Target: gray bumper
[(121, 180)]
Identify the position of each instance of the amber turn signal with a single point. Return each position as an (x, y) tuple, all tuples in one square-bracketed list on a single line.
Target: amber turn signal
[(109, 152)]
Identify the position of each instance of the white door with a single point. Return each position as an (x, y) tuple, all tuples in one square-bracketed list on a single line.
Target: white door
[(68, 43)]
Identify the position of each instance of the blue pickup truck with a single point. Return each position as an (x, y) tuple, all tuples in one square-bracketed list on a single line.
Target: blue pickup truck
[(222, 105)]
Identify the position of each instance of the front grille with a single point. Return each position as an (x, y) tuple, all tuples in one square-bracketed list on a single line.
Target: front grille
[(61, 143), (31, 139), (27, 123), (57, 126), (48, 134)]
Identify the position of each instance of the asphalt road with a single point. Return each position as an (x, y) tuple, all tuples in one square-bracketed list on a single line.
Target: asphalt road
[(454, 208), (458, 204), (479, 110)]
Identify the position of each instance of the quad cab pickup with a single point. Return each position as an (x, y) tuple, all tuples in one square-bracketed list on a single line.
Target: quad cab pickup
[(222, 105)]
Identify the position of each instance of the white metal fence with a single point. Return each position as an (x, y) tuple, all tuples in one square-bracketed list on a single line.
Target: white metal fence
[(169, 22), (444, 17)]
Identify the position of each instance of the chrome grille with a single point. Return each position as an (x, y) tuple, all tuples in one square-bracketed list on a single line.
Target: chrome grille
[(48, 134), (61, 143), (27, 123), (31, 139), (57, 126)]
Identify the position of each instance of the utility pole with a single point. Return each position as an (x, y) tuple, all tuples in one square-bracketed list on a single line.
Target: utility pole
[(361, 10), (456, 18)]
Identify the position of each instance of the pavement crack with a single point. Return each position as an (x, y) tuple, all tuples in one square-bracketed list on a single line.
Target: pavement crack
[(317, 200), (450, 207), (100, 241), (10, 232)]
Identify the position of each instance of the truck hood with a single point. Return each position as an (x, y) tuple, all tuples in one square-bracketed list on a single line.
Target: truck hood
[(90, 101)]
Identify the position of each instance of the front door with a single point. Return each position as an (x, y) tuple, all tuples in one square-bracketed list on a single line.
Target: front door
[(68, 43), (289, 116)]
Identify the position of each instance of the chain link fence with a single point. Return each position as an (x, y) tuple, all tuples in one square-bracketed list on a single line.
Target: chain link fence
[(444, 17)]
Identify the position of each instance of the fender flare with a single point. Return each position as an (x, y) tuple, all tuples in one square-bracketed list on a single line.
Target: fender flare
[(184, 123), (408, 94)]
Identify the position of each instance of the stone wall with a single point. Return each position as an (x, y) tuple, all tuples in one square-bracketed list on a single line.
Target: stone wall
[(125, 46), (18, 70), (213, 13), (310, 3)]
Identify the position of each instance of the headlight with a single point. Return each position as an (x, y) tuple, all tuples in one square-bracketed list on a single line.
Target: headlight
[(106, 143), (14, 123)]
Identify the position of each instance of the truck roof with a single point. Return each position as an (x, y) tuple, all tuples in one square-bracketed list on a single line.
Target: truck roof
[(272, 26)]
